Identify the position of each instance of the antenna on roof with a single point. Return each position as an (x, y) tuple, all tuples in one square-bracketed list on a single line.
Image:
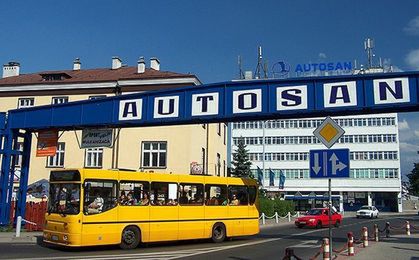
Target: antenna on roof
[(239, 63), (260, 66)]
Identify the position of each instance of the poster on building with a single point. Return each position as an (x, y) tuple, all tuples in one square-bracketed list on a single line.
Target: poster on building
[(94, 138), (360, 195), (47, 143)]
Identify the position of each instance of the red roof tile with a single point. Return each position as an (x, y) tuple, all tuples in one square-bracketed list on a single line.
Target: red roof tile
[(92, 75)]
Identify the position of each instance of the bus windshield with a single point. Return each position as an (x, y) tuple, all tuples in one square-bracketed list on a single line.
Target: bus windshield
[(64, 198)]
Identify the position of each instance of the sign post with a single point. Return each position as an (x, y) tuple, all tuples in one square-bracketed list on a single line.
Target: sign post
[(330, 163)]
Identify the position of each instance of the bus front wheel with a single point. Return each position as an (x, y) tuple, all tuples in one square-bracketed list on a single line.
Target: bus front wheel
[(130, 238), (218, 233)]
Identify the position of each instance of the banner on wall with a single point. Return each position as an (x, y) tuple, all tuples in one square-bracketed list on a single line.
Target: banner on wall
[(47, 143)]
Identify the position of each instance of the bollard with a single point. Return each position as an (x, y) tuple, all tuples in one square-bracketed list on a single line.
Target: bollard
[(263, 218), (351, 250), (18, 226), (376, 234), (276, 218), (407, 228), (289, 253), (387, 229), (365, 236), (326, 249), (289, 216)]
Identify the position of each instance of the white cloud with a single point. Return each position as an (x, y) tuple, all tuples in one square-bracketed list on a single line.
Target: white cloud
[(403, 125), (322, 55), (412, 59), (412, 27), (406, 147), (416, 133)]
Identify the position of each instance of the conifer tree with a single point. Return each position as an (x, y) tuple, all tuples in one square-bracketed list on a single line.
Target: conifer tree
[(241, 161), (414, 180)]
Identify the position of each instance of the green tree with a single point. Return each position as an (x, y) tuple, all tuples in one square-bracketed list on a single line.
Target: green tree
[(241, 161), (414, 180)]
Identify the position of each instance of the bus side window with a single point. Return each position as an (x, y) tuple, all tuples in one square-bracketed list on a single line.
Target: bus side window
[(133, 193), (164, 194), (100, 197), (252, 194), (191, 194), (237, 195), (216, 195)]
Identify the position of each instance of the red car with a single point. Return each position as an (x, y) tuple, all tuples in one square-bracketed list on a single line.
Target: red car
[(318, 218)]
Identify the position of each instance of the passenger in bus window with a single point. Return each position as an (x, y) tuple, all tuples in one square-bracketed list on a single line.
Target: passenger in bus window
[(234, 201), (122, 198), (130, 199), (145, 199), (97, 205)]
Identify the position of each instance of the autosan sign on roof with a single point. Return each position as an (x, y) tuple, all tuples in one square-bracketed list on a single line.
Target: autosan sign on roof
[(233, 101)]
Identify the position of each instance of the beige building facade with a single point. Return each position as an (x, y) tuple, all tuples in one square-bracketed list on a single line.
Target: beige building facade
[(167, 149)]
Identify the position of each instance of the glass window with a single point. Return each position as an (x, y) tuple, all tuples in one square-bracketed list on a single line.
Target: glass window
[(252, 194), (133, 193), (64, 198), (25, 102), (237, 195), (216, 195), (154, 154), (93, 158), (100, 196), (59, 100), (58, 159), (191, 194), (164, 194)]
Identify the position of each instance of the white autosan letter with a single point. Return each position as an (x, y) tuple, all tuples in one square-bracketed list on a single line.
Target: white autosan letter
[(291, 97), (130, 109), (247, 101), (205, 104), (166, 107)]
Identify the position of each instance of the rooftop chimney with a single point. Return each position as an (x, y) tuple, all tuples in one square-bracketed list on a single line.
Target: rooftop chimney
[(77, 64), (11, 69), (141, 65), (155, 63), (116, 63)]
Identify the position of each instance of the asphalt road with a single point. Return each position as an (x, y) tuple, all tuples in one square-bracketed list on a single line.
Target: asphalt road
[(269, 244)]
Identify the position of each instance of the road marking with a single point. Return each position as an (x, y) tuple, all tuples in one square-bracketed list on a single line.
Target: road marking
[(188, 252)]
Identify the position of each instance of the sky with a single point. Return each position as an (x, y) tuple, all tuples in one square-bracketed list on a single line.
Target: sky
[(205, 37)]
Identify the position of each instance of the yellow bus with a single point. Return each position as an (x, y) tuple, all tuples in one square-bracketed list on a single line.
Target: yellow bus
[(89, 207)]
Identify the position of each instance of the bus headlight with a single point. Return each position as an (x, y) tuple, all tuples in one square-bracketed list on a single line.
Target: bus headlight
[(65, 237)]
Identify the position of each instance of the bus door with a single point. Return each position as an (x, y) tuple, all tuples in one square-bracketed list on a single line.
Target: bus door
[(191, 211), (164, 211), (100, 213)]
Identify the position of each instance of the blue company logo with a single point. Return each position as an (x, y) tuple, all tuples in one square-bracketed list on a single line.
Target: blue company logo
[(330, 66), (281, 68)]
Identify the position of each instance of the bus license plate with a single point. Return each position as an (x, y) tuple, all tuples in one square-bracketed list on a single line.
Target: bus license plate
[(54, 238)]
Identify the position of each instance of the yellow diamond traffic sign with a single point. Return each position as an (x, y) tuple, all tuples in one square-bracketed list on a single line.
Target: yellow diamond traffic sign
[(328, 132)]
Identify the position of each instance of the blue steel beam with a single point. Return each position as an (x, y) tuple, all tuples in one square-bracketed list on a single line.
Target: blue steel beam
[(232, 101)]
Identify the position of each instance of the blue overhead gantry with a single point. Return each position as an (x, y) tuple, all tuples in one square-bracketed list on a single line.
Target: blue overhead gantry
[(221, 102)]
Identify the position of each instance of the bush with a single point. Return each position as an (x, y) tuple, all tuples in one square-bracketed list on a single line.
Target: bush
[(269, 206)]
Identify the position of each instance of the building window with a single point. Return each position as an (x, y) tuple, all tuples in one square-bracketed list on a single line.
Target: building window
[(59, 100), (25, 102), (218, 164), (203, 160), (97, 97), (225, 134), (57, 160), (18, 161), (94, 158), (154, 154)]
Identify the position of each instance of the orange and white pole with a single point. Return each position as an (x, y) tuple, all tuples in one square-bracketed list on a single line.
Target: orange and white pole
[(351, 250), (365, 236), (407, 228), (326, 249), (376, 232)]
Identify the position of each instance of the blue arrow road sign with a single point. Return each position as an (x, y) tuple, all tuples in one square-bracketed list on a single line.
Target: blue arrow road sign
[(329, 163)]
